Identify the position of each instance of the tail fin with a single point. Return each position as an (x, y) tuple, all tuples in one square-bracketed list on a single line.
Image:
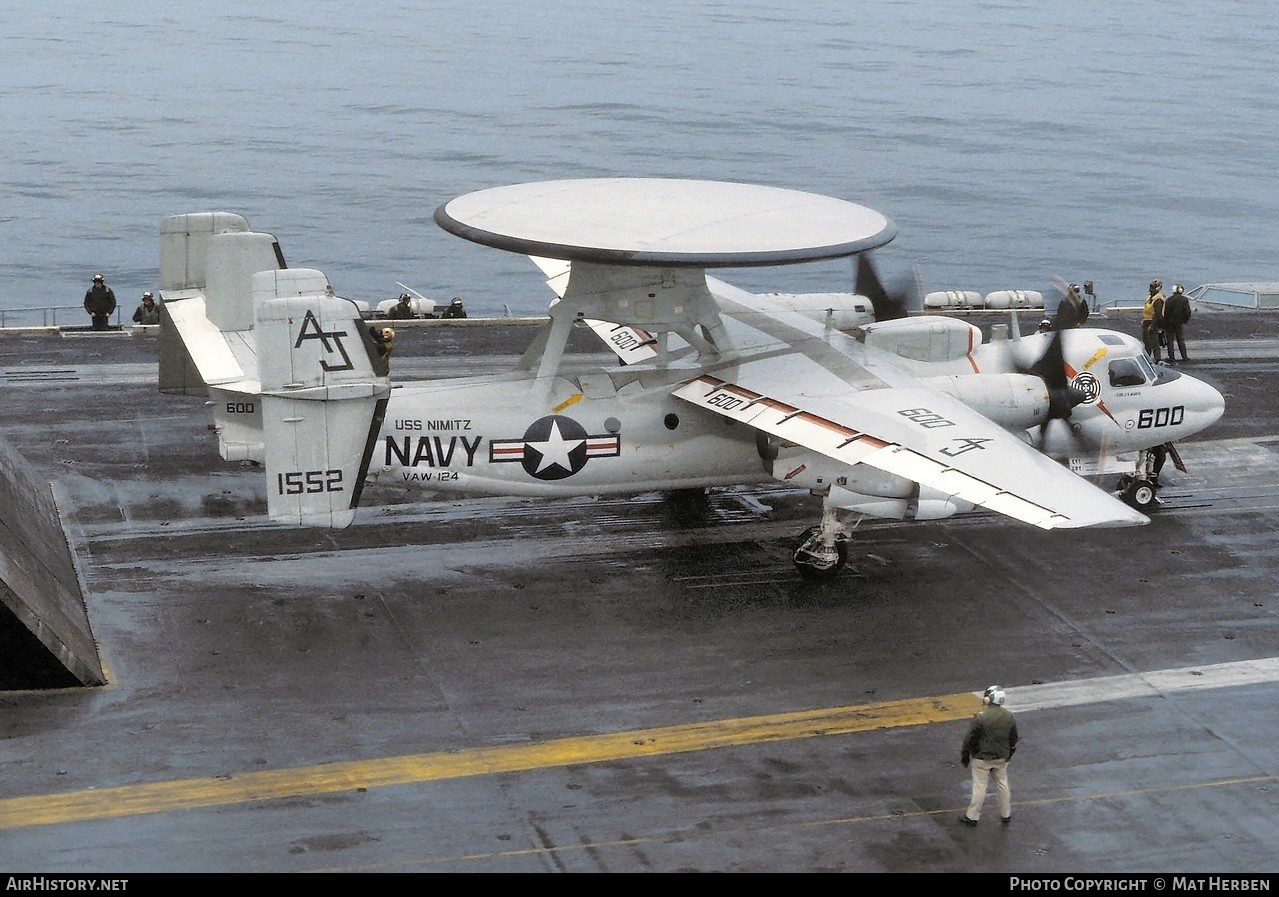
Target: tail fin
[(295, 379), (207, 261), (324, 393)]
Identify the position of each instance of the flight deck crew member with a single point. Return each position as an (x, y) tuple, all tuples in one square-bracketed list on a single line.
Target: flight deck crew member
[(403, 309), (1072, 311), (1152, 319), (454, 310), (99, 302), (384, 340), (147, 312), (1176, 314), (989, 745), (1158, 457)]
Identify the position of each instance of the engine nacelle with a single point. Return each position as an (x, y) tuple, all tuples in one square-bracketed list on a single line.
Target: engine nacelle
[(844, 310), (931, 338), (1014, 401)]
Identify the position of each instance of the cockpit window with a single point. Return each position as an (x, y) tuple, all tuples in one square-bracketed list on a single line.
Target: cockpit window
[(1128, 372)]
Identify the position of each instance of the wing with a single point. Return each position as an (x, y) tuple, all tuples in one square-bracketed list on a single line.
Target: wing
[(912, 433), (631, 344)]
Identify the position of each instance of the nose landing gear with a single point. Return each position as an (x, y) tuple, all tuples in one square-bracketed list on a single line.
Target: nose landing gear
[(1138, 492), (1138, 488)]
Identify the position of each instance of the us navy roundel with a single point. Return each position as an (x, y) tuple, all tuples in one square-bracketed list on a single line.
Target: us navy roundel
[(555, 447)]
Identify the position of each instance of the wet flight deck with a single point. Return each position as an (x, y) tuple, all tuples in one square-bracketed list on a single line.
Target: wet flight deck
[(639, 684)]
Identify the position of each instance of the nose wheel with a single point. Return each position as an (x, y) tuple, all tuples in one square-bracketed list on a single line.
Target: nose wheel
[(1140, 493)]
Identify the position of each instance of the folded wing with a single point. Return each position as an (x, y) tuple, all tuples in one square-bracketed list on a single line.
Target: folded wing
[(921, 435)]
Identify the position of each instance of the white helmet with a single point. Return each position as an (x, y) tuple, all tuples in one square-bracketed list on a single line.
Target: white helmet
[(994, 695)]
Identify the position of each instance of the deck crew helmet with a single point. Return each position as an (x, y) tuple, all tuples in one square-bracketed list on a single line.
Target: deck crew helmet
[(994, 695), (97, 278), (1156, 284), (147, 296), (1176, 288)]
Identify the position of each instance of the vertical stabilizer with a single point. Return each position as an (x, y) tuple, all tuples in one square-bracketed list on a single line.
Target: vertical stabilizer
[(233, 259), (207, 261), (184, 246), (324, 392)]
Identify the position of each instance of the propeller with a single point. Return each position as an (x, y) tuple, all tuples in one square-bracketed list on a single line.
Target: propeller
[(888, 306), (1062, 397)]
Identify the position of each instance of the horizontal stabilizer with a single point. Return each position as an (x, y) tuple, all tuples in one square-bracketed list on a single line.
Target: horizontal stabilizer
[(212, 352)]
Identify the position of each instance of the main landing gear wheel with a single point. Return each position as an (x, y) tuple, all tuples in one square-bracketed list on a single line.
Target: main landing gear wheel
[(816, 560), (1138, 493)]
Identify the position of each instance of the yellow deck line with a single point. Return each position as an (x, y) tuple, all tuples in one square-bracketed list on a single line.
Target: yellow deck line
[(328, 778)]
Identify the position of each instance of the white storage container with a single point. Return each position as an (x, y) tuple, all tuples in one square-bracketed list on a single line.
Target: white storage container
[(953, 299), (1015, 299)]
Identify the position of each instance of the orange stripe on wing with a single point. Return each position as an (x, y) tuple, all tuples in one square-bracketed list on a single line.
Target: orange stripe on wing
[(790, 412)]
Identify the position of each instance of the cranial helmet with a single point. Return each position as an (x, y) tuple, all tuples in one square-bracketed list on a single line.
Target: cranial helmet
[(404, 296), (147, 296), (1156, 284), (97, 278), (1176, 288), (994, 695)]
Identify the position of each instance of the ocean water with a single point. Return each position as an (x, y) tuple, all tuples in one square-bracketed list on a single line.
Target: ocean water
[(1010, 142)]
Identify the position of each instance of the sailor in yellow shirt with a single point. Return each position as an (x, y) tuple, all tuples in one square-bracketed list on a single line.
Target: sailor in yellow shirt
[(1152, 319)]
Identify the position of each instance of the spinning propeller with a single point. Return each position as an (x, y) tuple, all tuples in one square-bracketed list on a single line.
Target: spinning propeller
[(1062, 397), (888, 306)]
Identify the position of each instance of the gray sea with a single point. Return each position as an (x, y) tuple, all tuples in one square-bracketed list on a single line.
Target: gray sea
[(1011, 141)]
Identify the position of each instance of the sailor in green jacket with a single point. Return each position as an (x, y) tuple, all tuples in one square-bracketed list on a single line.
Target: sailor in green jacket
[(99, 302), (147, 312), (989, 745)]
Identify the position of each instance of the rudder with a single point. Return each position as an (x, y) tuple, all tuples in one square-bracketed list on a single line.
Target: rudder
[(324, 392)]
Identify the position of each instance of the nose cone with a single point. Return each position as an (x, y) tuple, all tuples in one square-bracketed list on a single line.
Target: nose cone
[(1203, 403)]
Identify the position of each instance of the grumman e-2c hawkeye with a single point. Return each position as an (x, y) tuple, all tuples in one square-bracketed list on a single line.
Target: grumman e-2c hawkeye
[(903, 417)]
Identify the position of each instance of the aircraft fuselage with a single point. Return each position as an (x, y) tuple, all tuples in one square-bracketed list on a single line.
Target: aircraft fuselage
[(464, 436)]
